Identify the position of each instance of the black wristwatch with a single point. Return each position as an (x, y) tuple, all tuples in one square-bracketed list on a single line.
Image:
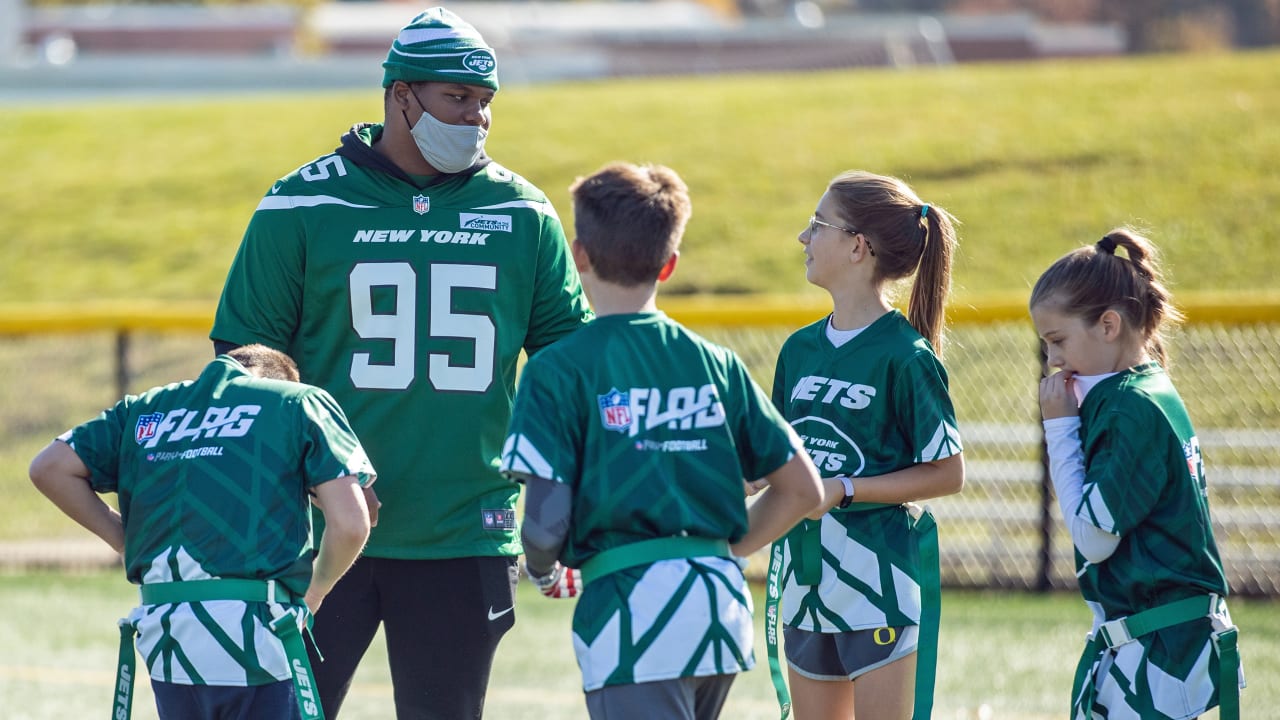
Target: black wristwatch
[(847, 500)]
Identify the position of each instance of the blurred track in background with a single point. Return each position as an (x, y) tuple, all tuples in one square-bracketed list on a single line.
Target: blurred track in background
[(64, 52)]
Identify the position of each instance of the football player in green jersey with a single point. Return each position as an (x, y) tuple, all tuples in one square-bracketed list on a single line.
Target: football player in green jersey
[(1126, 465), (865, 390), (634, 437), (406, 272), (213, 477)]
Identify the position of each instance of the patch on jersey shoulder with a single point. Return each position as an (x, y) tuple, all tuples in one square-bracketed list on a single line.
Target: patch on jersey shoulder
[(480, 221), (502, 519), (421, 204), (615, 410)]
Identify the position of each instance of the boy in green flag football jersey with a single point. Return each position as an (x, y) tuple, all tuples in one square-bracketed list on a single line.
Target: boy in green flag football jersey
[(1126, 465), (213, 477), (865, 390), (406, 272), (634, 437)]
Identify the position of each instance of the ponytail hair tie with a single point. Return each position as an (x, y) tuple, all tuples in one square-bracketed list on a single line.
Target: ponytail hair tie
[(924, 211), (1107, 245)]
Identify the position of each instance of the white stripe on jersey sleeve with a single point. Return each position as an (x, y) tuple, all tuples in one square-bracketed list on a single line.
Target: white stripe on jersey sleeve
[(288, 202), (944, 443), (522, 458), (1094, 507), (542, 207)]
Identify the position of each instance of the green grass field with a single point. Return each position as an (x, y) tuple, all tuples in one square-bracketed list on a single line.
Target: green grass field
[(1013, 653), (148, 199)]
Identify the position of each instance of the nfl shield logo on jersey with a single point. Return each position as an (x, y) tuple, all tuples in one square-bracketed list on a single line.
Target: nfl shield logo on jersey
[(615, 410), (421, 204), (146, 427)]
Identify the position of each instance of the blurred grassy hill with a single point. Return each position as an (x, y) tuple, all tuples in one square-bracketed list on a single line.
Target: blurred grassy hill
[(147, 199)]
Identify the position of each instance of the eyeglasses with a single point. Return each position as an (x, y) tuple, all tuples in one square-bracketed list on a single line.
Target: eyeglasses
[(814, 222)]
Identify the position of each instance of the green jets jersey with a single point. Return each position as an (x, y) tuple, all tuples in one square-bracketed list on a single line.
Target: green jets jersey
[(654, 428), (212, 476), (1145, 482), (877, 404), (410, 303)]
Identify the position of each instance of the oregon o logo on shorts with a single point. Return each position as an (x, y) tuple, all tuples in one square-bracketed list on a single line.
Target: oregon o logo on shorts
[(879, 633), (480, 61)]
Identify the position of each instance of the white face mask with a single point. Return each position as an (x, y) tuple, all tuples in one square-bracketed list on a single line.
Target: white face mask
[(449, 148)]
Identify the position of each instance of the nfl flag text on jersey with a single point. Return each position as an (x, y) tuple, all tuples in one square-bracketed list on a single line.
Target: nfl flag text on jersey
[(214, 422), (681, 408)]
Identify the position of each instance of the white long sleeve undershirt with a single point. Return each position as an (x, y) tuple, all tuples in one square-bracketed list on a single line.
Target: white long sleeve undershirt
[(1066, 470)]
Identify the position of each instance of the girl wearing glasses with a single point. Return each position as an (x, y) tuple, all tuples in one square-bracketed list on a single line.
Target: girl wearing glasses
[(866, 391)]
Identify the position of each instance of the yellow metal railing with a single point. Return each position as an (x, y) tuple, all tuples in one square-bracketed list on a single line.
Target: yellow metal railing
[(1003, 531), (696, 311)]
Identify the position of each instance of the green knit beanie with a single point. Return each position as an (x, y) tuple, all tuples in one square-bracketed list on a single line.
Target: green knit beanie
[(439, 46)]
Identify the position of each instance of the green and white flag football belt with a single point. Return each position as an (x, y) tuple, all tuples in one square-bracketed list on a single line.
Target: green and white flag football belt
[(926, 530), (1114, 633), (284, 625), (772, 606), (645, 552)]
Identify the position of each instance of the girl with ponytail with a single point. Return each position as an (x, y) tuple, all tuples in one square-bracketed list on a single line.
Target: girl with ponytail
[(1126, 465), (866, 391)]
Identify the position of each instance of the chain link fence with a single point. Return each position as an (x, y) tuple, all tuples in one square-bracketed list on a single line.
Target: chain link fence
[(1003, 531)]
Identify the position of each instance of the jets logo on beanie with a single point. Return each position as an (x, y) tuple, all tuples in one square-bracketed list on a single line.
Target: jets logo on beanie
[(439, 46)]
